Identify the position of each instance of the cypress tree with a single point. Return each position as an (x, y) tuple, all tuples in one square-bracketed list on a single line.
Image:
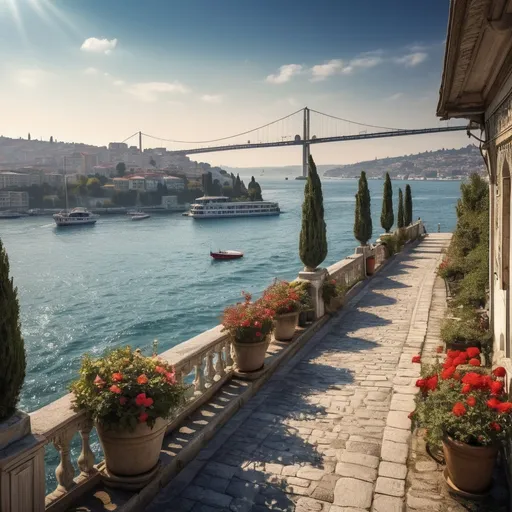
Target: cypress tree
[(408, 206), (12, 349), (363, 216), (401, 216), (313, 235), (387, 217)]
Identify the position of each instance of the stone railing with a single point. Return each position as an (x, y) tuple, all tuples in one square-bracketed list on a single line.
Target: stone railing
[(203, 364), (349, 270), (380, 253)]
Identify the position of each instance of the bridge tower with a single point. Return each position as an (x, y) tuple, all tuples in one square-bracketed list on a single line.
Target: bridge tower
[(305, 143)]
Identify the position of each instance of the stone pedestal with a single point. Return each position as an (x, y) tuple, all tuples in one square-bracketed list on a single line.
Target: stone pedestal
[(316, 280), (22, 477)]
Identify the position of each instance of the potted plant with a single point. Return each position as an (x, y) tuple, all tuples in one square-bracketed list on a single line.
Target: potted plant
[(284, 301), (306, 314), (464, 411), (249, 324), (129, 396), (333, 295)]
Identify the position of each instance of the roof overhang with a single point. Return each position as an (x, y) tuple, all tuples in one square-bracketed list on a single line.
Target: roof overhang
[(478, 57)]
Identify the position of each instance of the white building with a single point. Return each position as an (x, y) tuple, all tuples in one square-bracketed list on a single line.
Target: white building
[(137, 183), (13, 200), (121, 184), (173, 183), (107, 170)]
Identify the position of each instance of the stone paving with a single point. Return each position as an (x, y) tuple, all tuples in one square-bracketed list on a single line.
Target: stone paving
[(329, 432)]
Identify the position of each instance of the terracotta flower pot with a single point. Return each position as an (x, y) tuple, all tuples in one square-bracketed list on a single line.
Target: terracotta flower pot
[(469, 467), (132, 453), (285, 326), (250, 357), (370, 265)]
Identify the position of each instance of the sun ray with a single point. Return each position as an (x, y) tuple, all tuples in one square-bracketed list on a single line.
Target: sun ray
[(57, 13), (12, 5)]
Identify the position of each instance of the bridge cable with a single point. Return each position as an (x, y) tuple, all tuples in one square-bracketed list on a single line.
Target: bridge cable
[(222, 138), (360, 124), (128, 138)]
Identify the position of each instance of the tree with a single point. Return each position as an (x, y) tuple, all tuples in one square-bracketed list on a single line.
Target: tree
[(401, 217), (94, 187), (313, 235), (408, 206), (216, 188), (237, 187), (387, 217), (12, 348), (152, 162), (363, 216), (121, 169), (51, 139), (207, 183), (254, 190)]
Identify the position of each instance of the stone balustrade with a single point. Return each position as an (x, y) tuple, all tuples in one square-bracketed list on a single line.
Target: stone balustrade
[(203, 363)]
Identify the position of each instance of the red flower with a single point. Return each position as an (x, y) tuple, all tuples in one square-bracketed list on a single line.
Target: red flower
[(142, 399), (466, 388), (473, 352), (421, 383), (416, 359), (474, 362), (448, 363), (98, 381), (459, 409), (504, 407), (453, 354), (495, 426), (456, 376), (142, 379), (496, 387), (439, 349), (123, 400), (117, 377), (411, 415), (493, 403), (257, 324), (143, 416), (446, 374), (258, 334), (471, 401), (246, 323), (115, 389), (500, 371), (160, 370), (459, 360), (432, 383), (170, 377), (475, 379)]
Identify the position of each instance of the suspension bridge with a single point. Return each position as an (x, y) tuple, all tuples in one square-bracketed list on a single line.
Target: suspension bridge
[(315, 128)]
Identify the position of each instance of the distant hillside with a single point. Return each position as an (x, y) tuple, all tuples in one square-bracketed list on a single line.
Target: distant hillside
[(444, 163)]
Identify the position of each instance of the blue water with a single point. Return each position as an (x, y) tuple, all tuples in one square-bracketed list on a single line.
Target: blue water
[(122, 282)]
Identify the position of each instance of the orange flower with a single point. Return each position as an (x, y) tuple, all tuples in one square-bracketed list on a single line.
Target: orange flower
[(115, 389), (117, 377), (160, 370), (142, 379), (143, 416)]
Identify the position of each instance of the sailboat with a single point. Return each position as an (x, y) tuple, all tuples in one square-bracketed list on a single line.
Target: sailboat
[(76, 217)]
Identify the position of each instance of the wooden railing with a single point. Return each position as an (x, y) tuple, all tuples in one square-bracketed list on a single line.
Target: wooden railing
[(203, 363)]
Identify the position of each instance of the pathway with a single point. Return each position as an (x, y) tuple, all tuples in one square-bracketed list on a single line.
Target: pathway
[(329, 432)]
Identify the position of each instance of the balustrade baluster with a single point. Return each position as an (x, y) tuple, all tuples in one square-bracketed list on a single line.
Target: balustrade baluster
[(199, 386), (227, 351), (86, 459), (65, 471), (210, 371), (219, 365)]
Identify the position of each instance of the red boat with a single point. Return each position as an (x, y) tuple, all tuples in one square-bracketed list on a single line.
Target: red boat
[(226, 255)]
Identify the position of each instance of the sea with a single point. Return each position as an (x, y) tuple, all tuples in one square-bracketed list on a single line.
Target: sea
[(92, 288)]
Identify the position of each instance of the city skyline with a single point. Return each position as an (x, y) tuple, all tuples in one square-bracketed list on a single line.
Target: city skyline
[(93, 73)]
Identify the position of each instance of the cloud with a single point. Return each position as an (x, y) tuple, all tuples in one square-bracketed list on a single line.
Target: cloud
[(150, 91), (367, 60), (95, 45), (91, 71), (323, 71), (285, 74), (211, 98), (31, 77), (118, 83), (395, 96), (412, 59)]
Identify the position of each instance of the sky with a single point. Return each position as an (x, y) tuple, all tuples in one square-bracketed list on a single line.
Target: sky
[(97, 71)]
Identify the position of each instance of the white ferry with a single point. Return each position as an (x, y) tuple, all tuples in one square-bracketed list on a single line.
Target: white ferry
[(221, 207), (76, 217)]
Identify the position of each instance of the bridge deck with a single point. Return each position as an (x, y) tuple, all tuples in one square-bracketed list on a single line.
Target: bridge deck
[(329, 431)]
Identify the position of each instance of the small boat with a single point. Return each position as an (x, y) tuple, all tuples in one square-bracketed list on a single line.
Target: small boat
[(226, 255), (10, 215), (76, 217), (140, 216)]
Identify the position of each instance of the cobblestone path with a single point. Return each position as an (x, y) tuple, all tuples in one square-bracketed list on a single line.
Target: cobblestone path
[(329, 432)]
